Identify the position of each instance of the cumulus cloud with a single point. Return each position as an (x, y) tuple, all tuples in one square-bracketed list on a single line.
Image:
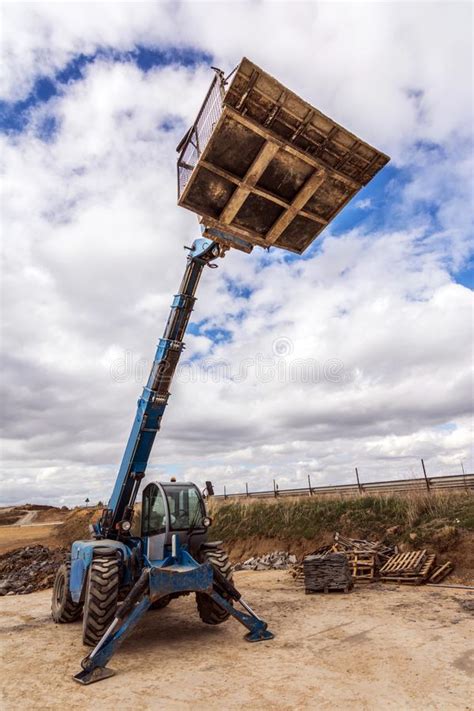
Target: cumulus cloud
[(358, 354)]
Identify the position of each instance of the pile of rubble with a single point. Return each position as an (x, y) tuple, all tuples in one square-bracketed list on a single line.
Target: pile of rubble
[(29, 569), (280, 560)]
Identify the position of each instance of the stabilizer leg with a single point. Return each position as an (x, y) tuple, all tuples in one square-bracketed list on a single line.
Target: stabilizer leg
[(257, 627), (129, 614)]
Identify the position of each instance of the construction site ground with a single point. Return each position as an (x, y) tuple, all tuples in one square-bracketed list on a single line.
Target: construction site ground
[(379, 647), (12, 537)]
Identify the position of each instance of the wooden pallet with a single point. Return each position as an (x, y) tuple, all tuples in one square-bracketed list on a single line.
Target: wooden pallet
[(441, 572), (428, 565), (350, 546), (326, 590), (261, 166), (413, 578), (363, 566), (404, 565)]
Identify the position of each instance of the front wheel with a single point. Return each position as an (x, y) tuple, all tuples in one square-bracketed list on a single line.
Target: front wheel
[(209, 611), (101, 599), (63, 607)]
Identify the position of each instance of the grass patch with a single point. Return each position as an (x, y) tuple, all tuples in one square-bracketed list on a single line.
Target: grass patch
[(360, 516)]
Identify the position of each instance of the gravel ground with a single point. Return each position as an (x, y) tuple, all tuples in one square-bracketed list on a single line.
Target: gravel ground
[(383, 647)]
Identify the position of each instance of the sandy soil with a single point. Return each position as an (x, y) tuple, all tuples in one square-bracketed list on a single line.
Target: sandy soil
[(383, 647), (12, 537)]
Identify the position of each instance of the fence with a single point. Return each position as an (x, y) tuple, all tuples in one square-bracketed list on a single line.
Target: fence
[(453, 482)]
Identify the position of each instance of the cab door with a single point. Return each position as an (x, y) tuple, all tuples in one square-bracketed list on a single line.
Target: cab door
[(154, 521)]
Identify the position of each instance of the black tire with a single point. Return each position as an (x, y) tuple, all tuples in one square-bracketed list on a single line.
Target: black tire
[(63, 608), (161, 603), (101, 598), (209, 611)]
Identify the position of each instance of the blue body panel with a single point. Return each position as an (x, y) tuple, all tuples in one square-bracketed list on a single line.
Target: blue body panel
[(175, 579), (81, 557)]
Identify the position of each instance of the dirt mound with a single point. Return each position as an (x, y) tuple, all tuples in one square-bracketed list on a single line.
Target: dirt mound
[(9, 519), (75, 526), (29, 569), (10, 516)]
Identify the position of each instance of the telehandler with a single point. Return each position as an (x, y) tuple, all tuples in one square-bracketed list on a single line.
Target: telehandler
[(260, 167)]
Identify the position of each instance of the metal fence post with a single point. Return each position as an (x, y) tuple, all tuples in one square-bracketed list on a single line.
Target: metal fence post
[(424, 474), (358, 481), (246, 489), (225, 492), (275, 489), (309, 485)]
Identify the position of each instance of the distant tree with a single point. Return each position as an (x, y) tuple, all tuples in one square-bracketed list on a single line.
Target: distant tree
[(100, 504), (87, 501)]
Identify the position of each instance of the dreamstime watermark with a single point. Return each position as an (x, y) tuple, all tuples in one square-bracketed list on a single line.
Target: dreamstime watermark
[(279, 366)]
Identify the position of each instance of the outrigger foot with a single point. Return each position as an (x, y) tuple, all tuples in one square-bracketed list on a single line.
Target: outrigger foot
[(95, 674), (258, 636)]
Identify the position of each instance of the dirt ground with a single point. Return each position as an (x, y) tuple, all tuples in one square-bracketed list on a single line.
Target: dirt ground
[(12, 537), (383, 647)]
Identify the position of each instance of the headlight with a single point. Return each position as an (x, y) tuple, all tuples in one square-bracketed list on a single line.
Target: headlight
[(206, 521), (125, 526)]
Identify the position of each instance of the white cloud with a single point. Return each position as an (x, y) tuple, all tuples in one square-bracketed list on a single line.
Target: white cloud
[(93, 256), (364, 204)]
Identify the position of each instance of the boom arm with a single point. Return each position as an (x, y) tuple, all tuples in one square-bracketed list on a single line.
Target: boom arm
[(152, 404)]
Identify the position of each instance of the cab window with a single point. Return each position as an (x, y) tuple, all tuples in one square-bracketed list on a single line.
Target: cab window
[(185, 507), (154, 512)]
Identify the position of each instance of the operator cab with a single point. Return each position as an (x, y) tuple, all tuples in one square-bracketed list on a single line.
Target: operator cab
[(172, 508)]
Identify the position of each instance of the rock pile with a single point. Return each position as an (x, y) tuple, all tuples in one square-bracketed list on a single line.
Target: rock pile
[(29, 569), (327, 571), (280, 560)]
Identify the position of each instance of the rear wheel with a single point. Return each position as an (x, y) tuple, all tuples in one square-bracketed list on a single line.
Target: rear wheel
[(101, 599), (209, 611), (63, 608)]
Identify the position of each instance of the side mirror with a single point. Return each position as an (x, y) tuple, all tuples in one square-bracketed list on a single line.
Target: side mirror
[(209, 488)]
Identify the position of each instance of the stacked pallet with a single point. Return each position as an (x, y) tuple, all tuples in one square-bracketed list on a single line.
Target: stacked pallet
[(365, 557), (412, 568), (369, 561), (354, 545), (363, 566), (326, 572)]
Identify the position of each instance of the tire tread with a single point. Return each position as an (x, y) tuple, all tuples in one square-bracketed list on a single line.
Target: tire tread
[(68, 611), (101, 597), (209, 611)]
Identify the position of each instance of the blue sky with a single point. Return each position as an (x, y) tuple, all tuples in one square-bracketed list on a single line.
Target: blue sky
[(14, 115), (368, 209), (90, 120)]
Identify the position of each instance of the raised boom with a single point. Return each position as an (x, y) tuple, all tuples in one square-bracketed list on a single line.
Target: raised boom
[(152, 403)]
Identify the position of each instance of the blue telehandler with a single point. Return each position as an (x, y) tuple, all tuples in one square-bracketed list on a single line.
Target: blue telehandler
[(260, 167), (114, 578)]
